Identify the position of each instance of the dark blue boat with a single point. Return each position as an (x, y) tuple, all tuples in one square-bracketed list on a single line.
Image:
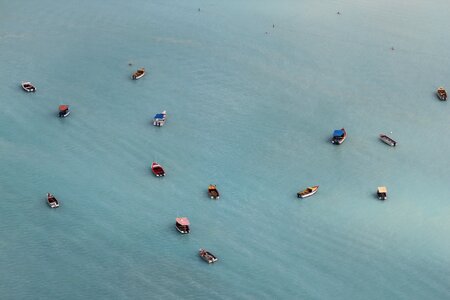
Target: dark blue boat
[(339, 136), (159, 119)]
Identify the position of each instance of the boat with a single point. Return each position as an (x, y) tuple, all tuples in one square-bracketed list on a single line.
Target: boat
[(382, 193), (159, 119), (52, 201), (207, 256), (309, 191), (213, 192), (339, 136), (158, 170), (64, 111), (442, 94), (388, 140), (182, 225), (138, 74), (28, 87)]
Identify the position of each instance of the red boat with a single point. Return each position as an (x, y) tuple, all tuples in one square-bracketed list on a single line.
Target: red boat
[(182, 225), (158, 170)]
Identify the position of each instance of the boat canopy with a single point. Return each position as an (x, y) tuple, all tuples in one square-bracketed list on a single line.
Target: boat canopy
[(159, 116), (63, 107), (183, 221), (382, 189), (339, 132)]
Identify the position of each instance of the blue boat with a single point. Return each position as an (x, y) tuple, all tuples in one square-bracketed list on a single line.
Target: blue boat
[(159, 119), (339, 136)]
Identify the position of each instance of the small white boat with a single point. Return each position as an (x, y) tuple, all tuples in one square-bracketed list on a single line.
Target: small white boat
[(182, 225), (207, 256), (382, 193), (309, 191), (27, 86), (52, 201), (159, 119), (387, 140), (138, 74)]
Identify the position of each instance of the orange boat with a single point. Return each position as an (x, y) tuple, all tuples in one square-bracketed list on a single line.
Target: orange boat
[(309, 191), (213, 192), (64, 111)]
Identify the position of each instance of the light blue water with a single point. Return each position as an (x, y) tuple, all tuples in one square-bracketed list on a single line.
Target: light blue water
[(248, 111)]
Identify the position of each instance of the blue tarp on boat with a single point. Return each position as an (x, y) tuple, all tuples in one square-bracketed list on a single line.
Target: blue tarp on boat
[(339, 132), (159, 116)]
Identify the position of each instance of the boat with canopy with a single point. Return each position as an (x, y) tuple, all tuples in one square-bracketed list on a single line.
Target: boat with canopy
[(382, 193), (182, 225), (159, 119), (339, 136), (64, 111)]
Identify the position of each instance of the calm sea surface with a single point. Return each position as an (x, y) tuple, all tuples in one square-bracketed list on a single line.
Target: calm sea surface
[(253, 91)]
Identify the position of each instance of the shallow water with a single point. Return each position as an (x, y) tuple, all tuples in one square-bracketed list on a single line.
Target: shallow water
[(249, 111)]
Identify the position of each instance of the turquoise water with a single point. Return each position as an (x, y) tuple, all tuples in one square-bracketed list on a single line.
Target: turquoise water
[(249, 111)]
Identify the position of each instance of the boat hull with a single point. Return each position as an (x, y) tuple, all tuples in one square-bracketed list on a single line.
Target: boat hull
[(136, 77), (182, 231), (442, 97), (63, 115), (213, 194)]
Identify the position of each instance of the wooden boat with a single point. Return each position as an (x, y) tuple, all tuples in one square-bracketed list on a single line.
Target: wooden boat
[(339, 136), (158, 170), (138, 74), (207, 256), (442, 94), (182, 225), (160, 119), (309, 191), (64, 111), (28, 87), (52, 201), (213, 192), (382, 193), (388, 140)]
